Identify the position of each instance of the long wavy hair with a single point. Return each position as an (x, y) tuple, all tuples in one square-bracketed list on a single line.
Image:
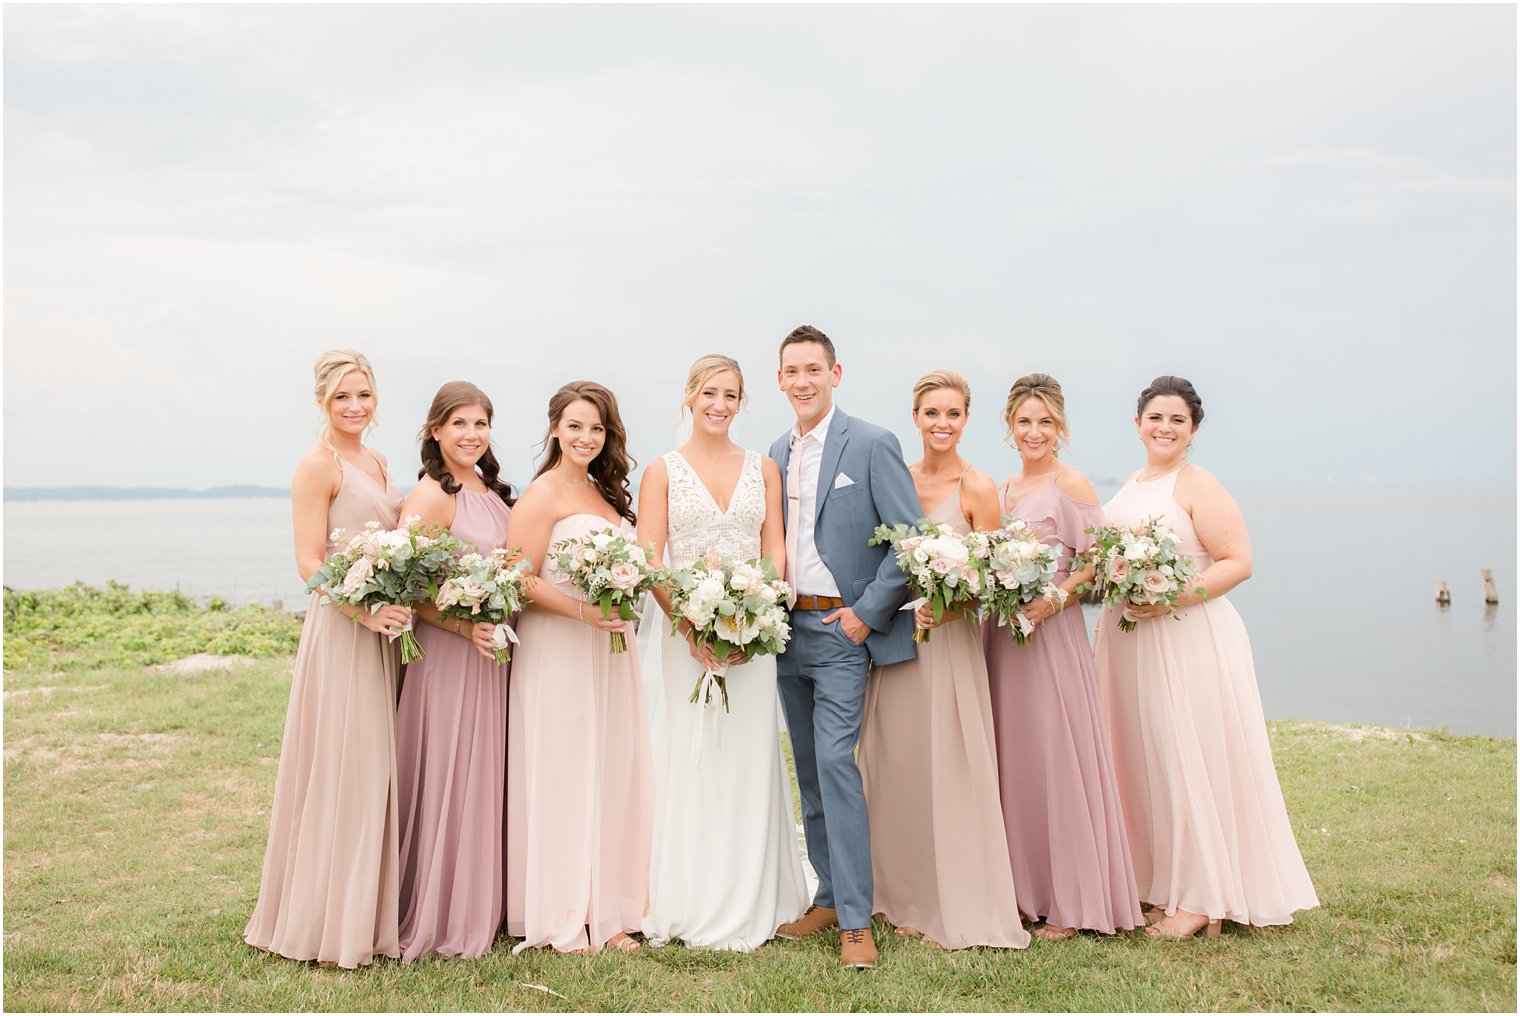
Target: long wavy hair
[(450, 398), (610, 469)]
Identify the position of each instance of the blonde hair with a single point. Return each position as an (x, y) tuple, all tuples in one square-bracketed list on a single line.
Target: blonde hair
[(1048, 390), (704, 370), (332, 367), (937, 379)]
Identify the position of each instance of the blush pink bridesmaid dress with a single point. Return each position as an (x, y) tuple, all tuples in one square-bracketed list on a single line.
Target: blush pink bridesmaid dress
[(1208, 829), (580, 788)]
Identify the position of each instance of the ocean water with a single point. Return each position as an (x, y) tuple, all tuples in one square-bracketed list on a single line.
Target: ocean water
[(1341, 607)]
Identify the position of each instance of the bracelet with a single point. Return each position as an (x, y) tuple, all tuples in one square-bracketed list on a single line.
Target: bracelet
[(458, 625), (579, 607)]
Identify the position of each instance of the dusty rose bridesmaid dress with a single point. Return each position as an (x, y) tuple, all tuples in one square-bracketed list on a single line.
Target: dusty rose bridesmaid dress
[(451, 743), (580, 784), (1207, 826), (329, 887), (1066, 841)]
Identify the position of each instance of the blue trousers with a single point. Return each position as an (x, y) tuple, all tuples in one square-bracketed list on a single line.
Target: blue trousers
[(822, 680)]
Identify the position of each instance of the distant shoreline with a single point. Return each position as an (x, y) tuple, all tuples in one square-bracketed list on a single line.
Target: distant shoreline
[(140, 493)]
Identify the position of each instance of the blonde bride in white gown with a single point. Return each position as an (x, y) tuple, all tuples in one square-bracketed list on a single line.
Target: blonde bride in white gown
[(724, 866)]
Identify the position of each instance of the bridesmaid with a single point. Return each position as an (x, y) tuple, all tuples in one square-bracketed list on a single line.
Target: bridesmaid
[(927, 755), (1207, 825), (580, 791), (328, 891), (451, 726), (1061, 810)]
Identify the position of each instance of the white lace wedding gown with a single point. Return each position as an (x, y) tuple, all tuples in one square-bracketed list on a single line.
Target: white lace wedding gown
[(724, 867)]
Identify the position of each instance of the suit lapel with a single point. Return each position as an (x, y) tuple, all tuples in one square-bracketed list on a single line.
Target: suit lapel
[(833, 448)]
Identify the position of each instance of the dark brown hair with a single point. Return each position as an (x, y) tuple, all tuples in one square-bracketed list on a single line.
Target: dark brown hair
[(451, 397), (610, 469), (807, 333), (1170, 384)]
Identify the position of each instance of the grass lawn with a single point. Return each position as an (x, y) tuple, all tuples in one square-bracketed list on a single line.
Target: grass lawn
[(136, 810)]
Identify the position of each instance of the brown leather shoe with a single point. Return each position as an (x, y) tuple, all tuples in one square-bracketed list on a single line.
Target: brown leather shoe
[(811, 923), (857, 949)]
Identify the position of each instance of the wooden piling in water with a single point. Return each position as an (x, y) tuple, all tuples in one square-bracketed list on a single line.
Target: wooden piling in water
[(1443, 595), (1490, 591)]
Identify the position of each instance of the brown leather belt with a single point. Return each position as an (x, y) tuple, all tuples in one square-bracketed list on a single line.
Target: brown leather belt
[(818, 603)]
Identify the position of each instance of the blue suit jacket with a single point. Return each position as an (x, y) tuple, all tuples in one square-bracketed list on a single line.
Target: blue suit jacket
[(882, 492)]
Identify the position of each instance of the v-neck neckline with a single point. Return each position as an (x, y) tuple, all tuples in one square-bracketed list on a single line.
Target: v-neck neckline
[(733, 495)]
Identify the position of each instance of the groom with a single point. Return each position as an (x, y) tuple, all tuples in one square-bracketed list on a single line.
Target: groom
[(842, 477)]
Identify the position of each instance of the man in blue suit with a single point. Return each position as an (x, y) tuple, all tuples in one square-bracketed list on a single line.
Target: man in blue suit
[(842, 477)]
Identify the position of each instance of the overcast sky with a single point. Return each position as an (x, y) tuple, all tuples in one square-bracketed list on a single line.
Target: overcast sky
[(1308, 210)]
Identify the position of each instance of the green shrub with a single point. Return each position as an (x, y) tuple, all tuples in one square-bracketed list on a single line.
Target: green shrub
[(81, 627)]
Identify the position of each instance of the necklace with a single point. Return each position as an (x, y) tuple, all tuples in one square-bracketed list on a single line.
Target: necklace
[(1147, 479)]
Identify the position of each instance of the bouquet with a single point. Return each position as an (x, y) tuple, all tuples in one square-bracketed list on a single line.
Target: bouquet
[(1020, 570), (611, 569), (486, 588), (380, 566), (944, 568), (730, 607), (1139, 566)]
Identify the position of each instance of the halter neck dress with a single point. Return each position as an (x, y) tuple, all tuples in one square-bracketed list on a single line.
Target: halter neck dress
[(1208, 829)]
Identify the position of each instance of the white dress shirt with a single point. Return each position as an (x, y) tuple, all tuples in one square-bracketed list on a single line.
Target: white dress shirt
[(813, 576)]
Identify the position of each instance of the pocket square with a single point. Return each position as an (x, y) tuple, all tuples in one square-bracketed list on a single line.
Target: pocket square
[(843, 481)]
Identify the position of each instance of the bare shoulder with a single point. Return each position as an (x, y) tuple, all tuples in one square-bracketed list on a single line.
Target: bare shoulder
[(428, 492), (770, 470), (1077, 487), (1194, 482), (318, 469), (537, 501), (376, 453), (978, 484), (655, 472)]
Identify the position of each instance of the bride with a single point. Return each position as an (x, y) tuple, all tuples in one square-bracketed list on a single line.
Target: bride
[(724, 868)]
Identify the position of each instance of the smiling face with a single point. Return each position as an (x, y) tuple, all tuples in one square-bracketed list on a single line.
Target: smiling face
[(352, 406), (808, 380), (581, 433), (1165, 427), (715, 403), (941, 416), (1035, 430), (464, 436)]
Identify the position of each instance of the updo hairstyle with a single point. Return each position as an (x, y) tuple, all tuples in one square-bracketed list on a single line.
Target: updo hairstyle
[(1048, 390), (704, 370), (1170, 384), (937, 379), (330, 370)]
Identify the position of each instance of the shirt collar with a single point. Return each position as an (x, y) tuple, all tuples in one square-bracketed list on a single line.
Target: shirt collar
[(821, 432)]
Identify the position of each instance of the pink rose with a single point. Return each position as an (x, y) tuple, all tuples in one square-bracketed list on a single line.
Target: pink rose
[(1118, 570), (625, 575), (1155, 583)]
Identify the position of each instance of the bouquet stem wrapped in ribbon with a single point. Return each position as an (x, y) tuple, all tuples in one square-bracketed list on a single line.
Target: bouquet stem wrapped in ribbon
[(486, 588), (1139, 567), (730, 607), (382, 566), (1020, 569), (611, 569), (944, 569)]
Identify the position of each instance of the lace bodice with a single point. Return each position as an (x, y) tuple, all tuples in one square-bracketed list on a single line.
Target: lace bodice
[(695, 525)]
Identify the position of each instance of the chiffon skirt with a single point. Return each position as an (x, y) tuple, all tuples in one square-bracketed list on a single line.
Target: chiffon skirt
[(1066, 842), (929, 765), (329, 886), (580, 797), (1208, 830), (451, 736)]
